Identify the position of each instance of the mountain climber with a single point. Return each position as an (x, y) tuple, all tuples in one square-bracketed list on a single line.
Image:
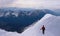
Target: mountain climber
[(43, 29)]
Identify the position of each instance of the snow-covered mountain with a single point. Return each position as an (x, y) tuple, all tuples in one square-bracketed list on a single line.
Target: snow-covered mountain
[(17, 19), (51, 22), (26, 11), (19, 11)]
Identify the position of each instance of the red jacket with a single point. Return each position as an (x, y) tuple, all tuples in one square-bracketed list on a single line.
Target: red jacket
[(43, 28)]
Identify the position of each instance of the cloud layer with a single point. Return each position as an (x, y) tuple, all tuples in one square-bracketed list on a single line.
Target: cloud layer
[(30, 3)]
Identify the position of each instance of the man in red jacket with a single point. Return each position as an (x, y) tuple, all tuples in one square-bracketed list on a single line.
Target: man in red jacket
[(43, 29)]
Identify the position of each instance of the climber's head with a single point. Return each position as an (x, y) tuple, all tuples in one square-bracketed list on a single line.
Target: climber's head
[(43, 25)]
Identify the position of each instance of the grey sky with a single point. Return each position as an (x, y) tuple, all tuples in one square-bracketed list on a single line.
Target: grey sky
[(30, 3)]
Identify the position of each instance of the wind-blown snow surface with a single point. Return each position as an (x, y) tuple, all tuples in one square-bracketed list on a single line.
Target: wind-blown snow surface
[(52, 24)]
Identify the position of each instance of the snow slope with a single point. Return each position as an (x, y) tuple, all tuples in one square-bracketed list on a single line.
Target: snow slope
[(52, 24)]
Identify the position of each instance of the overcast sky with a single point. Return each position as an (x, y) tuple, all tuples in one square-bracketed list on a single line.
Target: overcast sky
[(30, 3)]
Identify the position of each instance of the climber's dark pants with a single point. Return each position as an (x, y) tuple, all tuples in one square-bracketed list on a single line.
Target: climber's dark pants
[(43, 31)]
